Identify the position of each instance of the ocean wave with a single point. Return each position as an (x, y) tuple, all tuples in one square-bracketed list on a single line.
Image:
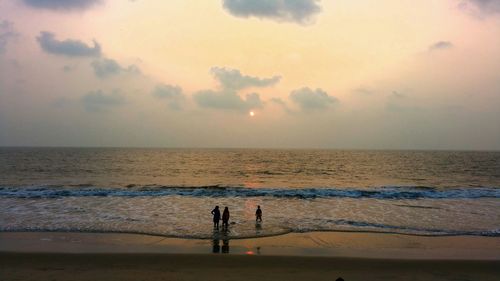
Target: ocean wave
[(387, 192)]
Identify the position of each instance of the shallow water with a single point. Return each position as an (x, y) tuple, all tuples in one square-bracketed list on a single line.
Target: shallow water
[(171, 191)]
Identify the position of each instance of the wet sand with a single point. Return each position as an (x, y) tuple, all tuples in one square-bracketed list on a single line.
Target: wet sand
[(303, 256), (25, 266), (330, 244)]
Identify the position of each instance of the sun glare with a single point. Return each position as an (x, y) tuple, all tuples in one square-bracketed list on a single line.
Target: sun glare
[(252, 114)]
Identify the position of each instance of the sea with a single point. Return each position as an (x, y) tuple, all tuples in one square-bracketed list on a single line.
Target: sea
[(171, 192)]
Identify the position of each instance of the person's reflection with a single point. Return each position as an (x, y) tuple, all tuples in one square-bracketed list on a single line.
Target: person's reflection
[(258, 226), (225, 246), (216, 237), (215, 242), (215, 246)]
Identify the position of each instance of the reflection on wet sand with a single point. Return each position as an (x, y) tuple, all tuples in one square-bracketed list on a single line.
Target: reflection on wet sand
[(217, 236), (258, 227), (225, 246), (223, 235), (216, 248)]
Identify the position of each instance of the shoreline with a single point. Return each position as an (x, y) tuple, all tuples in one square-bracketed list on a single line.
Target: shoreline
[(325, 244)]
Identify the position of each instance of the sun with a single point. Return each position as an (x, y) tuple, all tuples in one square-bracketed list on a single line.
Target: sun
[(251, 113)]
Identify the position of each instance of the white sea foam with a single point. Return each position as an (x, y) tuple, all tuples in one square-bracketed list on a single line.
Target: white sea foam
[(188, 216), (392, 192)]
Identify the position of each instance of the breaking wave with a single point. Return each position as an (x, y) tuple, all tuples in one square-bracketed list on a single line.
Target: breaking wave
[(387, 192)]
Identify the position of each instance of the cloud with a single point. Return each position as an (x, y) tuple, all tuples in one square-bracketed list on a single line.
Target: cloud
[(61, 102), (298, 11), (61, 4), (68, 47), (278, 101), (397, 95), (363, 91), (98, 101), (232, 79), (227, 99), (105, 67), (310, 100), (68, 68), (281, 103), (172, 94), (485, 7), (6, 34), (440, 45), (399, 102)]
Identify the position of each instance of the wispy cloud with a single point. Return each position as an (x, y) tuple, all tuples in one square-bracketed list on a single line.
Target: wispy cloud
[(482, 7), (105, 67), (282, 104), (364, 91), (68, 47), (399, 102), (61, 102), (440, 45), (297, 11), (172, 94), (61, 4), (6, 34), (397, 95), (98, 101), (68, 68)]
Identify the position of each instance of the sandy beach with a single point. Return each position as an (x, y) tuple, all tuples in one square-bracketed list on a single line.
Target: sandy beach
[(228, 267), (299, 256)]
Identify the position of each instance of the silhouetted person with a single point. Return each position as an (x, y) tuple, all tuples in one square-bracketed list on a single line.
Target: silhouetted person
[(258, 214), (225, 217), (216, 213)]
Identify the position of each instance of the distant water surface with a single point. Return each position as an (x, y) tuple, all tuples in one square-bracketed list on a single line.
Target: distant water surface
[(171, 191)]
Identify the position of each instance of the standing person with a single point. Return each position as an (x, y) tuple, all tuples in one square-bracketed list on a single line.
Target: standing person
[(216, 213), (258, 214), (225, 217)]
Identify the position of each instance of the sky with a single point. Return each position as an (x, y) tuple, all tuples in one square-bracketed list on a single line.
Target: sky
[(340, 74)]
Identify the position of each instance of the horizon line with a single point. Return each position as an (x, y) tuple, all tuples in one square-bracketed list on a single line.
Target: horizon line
[(255, 148)]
